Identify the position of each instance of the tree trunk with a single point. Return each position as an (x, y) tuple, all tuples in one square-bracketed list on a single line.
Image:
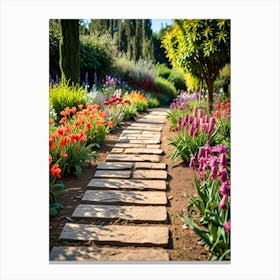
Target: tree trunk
[(210, 87), (69, 47)]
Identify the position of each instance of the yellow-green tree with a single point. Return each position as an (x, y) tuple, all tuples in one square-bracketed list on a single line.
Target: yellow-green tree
[(200, 47)]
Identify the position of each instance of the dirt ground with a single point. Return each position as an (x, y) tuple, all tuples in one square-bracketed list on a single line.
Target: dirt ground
[(184, 244)]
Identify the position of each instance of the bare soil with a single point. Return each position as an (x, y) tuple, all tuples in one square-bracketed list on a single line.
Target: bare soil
[(184, 244)]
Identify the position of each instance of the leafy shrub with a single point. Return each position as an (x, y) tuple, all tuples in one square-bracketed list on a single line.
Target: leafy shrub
[(167, 90), (163, 71), (178, 79), (121, 67), (64, 95), (115, 114), (142, 70), (138, 99), (130, 112), (152, 102)]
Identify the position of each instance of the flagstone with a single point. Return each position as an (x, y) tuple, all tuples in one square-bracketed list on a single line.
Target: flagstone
[(130, 213), (132, 158), (112, 174), (115, 165), (149, 174)]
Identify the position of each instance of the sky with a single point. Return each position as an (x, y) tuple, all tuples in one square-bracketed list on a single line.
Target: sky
[(156, 24)]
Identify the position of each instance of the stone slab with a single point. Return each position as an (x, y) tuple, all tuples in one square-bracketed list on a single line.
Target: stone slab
[(130, 213), (132, 158), (138, 136), (112, 174), (147, 141), (128, 184), (150, 165), (115, 165), (129, 145), (144, 127), (157, 146), (117, 150), (86, 254), (125, 197), (149, 174), (116, 234), (143, 151)]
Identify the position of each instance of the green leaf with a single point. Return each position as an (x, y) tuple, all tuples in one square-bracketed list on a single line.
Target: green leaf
[(78, 170), (53, 212), (56, 206)]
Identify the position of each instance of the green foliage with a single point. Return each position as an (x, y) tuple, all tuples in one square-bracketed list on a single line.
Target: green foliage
[(69, 50), (177, 78), (167, 90), (54, 38), (200, 47), (121, 67), (64, 95), (142, 70), (153, 102), (130, 112), (163, 71), (96, 55), (115, 114)]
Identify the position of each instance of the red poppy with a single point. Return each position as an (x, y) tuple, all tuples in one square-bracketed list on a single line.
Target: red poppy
[(65, 141), (110, 124), (62, 154), (63, 120), (50, 121)]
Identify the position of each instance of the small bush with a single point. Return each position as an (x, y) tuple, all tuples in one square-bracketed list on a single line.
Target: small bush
[(163, 71), (178, 79), (153, 102), (64, 95), (167, 90)]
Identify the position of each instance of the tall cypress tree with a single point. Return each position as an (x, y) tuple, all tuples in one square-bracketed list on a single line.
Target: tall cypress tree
[(69, 50)]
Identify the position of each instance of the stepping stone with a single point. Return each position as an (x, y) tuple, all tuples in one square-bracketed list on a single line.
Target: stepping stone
[(61, 253), (157, 146), (152, 125), (115, 165), (134, 128), (117, 150), (125, 197), (150, 133), (147, 141), (117, 184), (121, 157), (127, 131), (143, 151), (112, 174), (149, 174), (149, 165), (139, 136), (129, 145), (130, 213), (117, 235)]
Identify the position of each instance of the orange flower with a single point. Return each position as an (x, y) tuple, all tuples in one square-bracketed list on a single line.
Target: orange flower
[(51, 144), (110, 124), (78, 123), (63, 120), (55, 171), (61, 131), (65, 141), (80, 106), (50, 159), (62, 154), (51, 121), (102, 114), (73, 110)]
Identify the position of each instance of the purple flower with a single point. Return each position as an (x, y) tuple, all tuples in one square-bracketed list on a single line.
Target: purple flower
[(213, 161), (186, 118), (225, 189), (207, 149), (223, 161), (195, 112), (227, 226), (196, 123), (213, 174), (202, 175), (219, 149), (223, 202), (191, 131), (180, 119), (223, 175), (201, 162), (191, 119), (192, 164), (199, 113), (201, 152)]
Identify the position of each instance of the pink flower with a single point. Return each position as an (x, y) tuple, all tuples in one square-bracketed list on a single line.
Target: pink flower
[(201, 152), (192, 164), (199, 113), (225, 189), (223, 175), (195, 111), (213, 161), (186, 118), (202, 175), (207, 149), (227, 226), (223, 202), (223, 161), (180, 119), (191, 131), (219, 149), (213, 174)]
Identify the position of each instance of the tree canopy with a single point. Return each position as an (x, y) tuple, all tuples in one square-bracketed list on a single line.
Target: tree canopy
[(200, 47)]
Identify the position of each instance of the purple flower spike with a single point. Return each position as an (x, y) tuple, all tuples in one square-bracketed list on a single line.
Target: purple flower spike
[(225, 189), (219, 149), (223, 161), (202, 175), (223, 202), (227, 226), (180, 119), (186, 118), (213, 174), (191, 131), (223, 175), (207, 149), (201, 152), (195, 112), (199, 113), (213, 161), (192, 164)]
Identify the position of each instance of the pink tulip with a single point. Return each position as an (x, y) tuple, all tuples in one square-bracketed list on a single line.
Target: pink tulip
[(227, 226), (192, 164), (223, 175), (223, 202), (225, 189)]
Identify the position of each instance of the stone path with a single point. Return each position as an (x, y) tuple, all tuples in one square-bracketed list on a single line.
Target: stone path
[(129, 187)]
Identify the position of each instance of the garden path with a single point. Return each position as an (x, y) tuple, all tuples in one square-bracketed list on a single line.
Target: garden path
[(128, 189)]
